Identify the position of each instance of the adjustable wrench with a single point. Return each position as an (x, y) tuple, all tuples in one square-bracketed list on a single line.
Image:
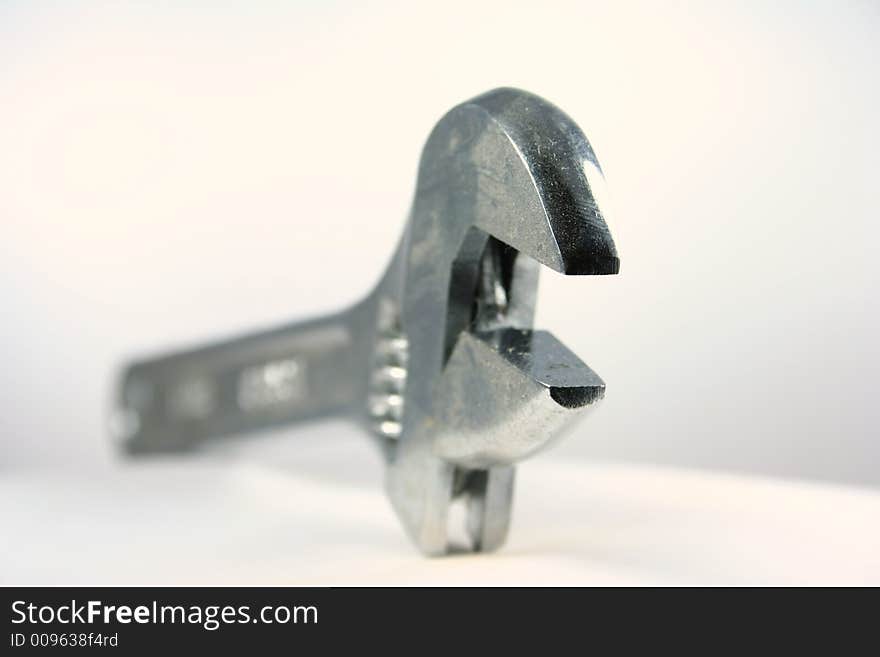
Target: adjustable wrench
[(440, 362)]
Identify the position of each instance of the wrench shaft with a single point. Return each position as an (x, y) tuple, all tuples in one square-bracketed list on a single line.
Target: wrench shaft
[(292, 373)]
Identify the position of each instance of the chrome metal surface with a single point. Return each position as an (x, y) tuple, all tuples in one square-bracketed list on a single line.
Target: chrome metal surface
[(440, 362)]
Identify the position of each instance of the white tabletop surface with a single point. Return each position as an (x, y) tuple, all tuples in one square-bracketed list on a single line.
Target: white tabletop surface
[(316, 514)]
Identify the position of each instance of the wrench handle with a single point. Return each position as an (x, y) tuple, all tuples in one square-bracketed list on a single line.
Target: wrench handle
[(292, 373)]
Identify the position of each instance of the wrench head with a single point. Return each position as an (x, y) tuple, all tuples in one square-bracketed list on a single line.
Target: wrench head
[(507, 182)]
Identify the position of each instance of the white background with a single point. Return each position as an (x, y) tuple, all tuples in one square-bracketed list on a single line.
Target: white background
[(175, 173)]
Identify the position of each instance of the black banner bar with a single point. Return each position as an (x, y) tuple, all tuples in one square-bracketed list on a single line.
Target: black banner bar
[(137, 620)]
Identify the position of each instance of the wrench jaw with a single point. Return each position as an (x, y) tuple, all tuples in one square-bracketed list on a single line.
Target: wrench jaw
[(519, 169), (505, 394), (506, 182)]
